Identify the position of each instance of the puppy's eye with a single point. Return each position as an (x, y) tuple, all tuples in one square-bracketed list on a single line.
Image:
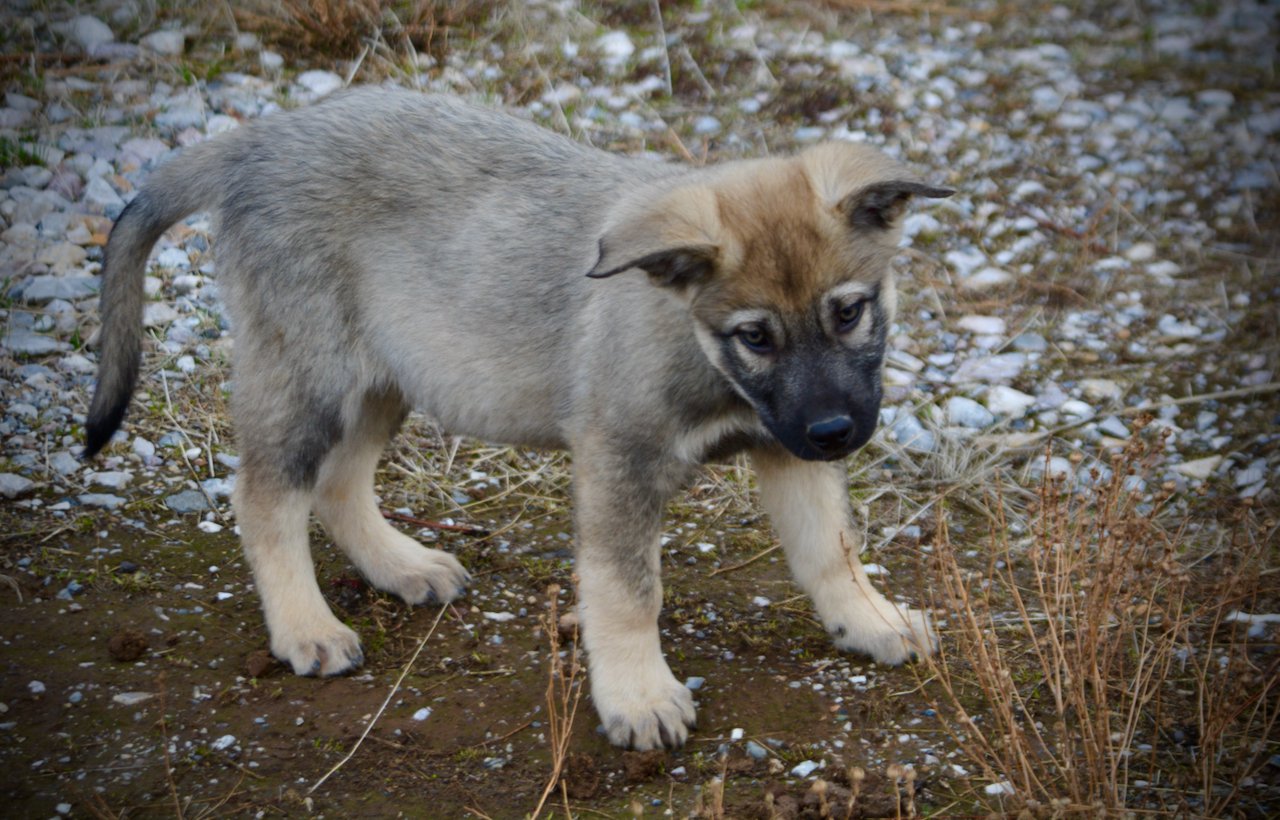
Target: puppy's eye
[(847, 316), (756, 338)]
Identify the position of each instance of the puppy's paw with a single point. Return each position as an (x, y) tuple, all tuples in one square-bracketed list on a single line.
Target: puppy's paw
[(417, 574), (324, 649), (891, 635), (644, 712)]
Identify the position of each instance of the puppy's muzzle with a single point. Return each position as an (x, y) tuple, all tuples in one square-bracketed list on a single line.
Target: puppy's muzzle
[(831, 436)]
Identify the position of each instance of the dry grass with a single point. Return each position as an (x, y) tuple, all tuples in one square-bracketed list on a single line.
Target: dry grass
[(564, 691), (343, 29), (1090, 669)]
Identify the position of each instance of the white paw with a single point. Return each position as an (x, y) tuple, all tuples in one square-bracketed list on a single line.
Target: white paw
[(323, 648), (643, 711), (419, 575), (891, 635)]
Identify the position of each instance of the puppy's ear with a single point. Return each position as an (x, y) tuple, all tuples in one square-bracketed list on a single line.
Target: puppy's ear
[(673, 237), (866, 188), (880, 205)]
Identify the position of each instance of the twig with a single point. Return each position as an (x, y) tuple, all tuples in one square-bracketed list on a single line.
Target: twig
[(662, 38), (435, 525), (563, 695), (747, 562), (394, 689), (164, 747)]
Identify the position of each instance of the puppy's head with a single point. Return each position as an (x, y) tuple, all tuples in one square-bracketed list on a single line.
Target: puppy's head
[(784, 265)]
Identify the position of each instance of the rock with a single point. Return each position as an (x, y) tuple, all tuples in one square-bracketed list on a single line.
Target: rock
[(13, 485), (166, 42), (187, 501), (756, 751), (103, 500), (62, 256), (986, 279), (1101, 390), (223, 743), (102, 198), (695, 683), (127, 646), (1057, 468), (75, 363), (998, 367), (72, 288), (1006, 401), (27, 343), (1030, 343), (156, 314), (88, 32), (804, 768), (36, 687), (270, 61), (319, 83), (910, 433), (1113, 427), (142, 448), (422, 714), (133, 698), (63, 463), (1200, 468), (111, 479), (1255, 472), (1170, 328), (616, 48), (260, 663), (1140, 252), (173, 258), (965, 412), (982, 325)]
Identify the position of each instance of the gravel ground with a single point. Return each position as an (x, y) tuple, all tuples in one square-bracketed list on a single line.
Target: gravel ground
[(1111, 251)]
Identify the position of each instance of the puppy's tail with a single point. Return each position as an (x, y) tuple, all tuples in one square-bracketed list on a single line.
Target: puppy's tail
[(176, 190)]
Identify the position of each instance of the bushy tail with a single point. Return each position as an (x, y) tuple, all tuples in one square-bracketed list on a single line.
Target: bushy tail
[(176, 190)]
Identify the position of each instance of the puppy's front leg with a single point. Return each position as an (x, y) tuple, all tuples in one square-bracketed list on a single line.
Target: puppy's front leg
[(809, 504), (619, 518)]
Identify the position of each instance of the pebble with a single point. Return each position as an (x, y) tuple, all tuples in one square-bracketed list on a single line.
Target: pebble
[(1200, 468), (1006, 401), (133, 698), (694, 684), (319, 83), (965, 412), (1101, 390), (422, 714), (36, 687), (88, 32), (223, 743), (13, 485), (804, 768), (982, 325), (187, 501), (111, 479), (169, 43), (106, 501), (24, 342), (44, 289), (756, 751)]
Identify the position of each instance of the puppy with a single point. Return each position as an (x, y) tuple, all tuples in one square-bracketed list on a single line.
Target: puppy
[(386, 250)]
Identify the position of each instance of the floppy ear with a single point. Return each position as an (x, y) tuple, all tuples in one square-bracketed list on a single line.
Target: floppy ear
[(881, 204), (673, 238)]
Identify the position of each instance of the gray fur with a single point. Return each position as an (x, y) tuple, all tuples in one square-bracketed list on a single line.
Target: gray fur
[(385, 249)]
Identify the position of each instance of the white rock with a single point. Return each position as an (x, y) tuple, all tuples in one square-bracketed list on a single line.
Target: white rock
[(965, 261), (132, 698), (998, 367), (31, 344), (982, 325), (209, 527), (1006, 401), (1170, 327), (101, 196), (111, 479), (1101, 389), (75, 363), (88, 32), (422, 714), (63, 463), (1200, 468), (1003, 787), (223, 743), (1077, 409), (1113, 427), (1256, 471), (986, 279), (965, 412), (804, 768), (1140, 252), (1058, 467), (173, 258), (142, 448), (319, 83), (158, 313), (500, 617), (616, 48), (13, 485), (36, 687), (168, 42), (270, 61)]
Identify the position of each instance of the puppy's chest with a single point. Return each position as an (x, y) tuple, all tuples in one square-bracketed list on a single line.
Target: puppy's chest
[(721, 437)]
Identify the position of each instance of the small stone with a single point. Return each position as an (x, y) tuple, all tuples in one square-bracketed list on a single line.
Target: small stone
[(143, 448), (27, 343), (1255, 472), (88, 32), (187, 501), (998, 367), (210, 527), (756, 751), (71, 288), (1057, 468), (804, 768), (36, 687), (1006, 401), (1171, 328), (617, 48), (156, 314), (1100, 390), (223, 743), (986, 279), (102, 198), (63, 463), (270, 61), (133, 698), (13, 485), (1140, 252), (909, 432), (965, 412), (259, 663), (695, 683), (1003, 787), (1077, 409), (1113, 427), (982, 325), (422, 714), (1200, 468), (169, 43), (111, 479), (319, 83), (106, 501)]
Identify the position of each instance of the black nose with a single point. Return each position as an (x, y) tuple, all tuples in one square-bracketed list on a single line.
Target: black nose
[(831, 434)]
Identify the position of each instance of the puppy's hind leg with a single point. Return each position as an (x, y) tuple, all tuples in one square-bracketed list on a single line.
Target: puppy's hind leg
[(345, 503), (808, 503), (280, 449)]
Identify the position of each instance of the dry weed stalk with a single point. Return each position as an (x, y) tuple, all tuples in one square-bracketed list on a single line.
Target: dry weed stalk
[(564, 690), (1066, 657)]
